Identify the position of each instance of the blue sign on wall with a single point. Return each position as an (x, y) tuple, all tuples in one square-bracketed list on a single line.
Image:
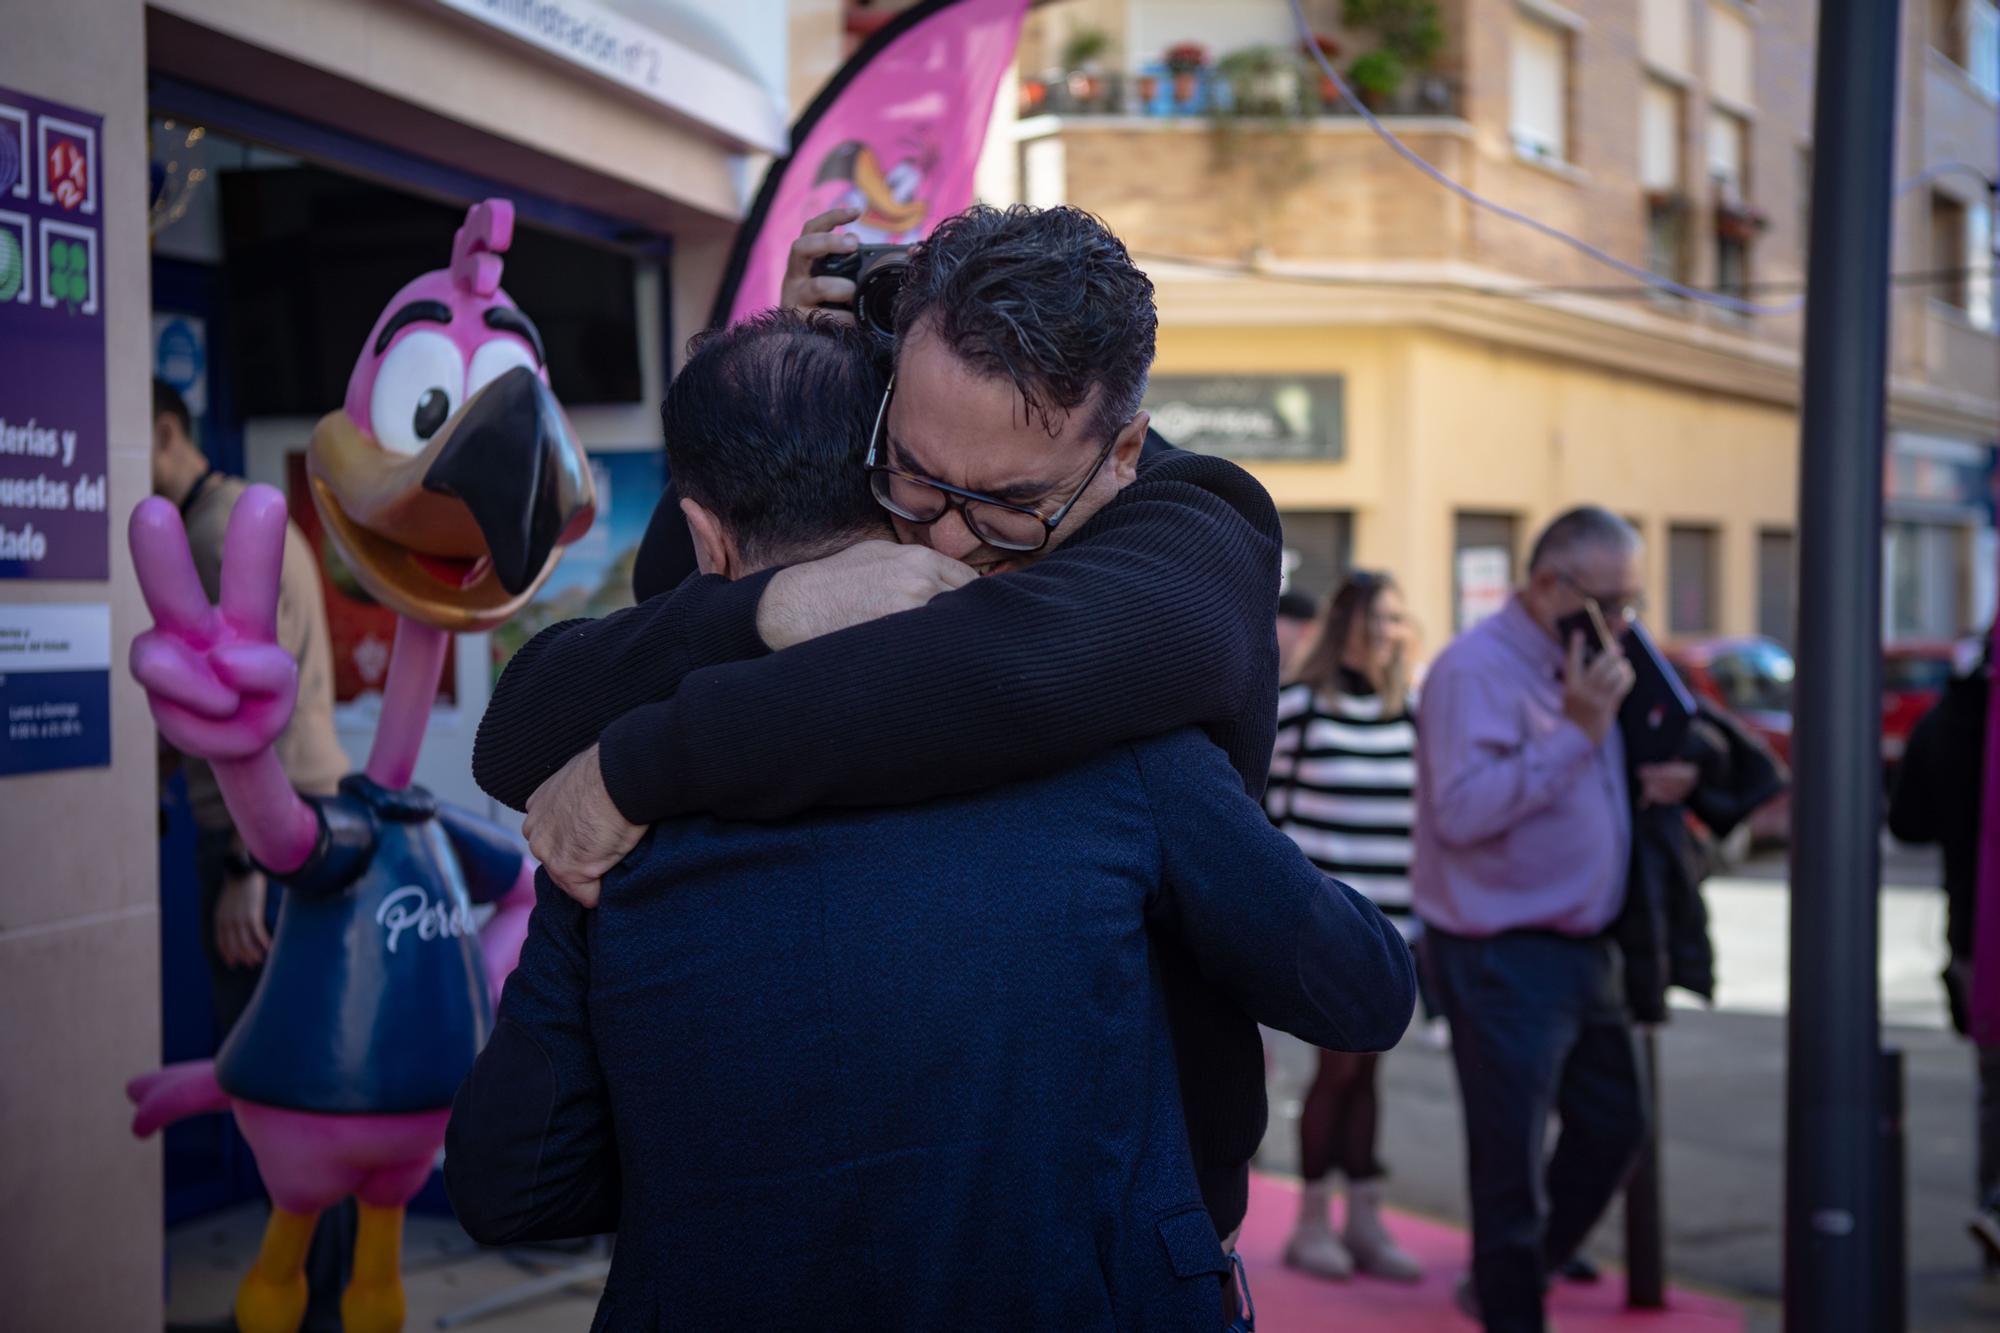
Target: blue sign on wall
[(55, 687)]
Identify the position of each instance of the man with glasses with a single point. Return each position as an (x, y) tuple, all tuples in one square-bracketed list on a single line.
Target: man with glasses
[(1135, 592), (1523, 840), (906, 1067)]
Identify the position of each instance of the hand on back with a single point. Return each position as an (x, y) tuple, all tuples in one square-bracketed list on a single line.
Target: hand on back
[(575, 829), (865, 582)]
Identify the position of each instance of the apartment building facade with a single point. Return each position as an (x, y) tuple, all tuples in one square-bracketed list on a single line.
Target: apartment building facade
[(1421, 382)]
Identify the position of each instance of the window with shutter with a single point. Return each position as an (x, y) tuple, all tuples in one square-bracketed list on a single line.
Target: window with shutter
[(1949, 230), (1979, 265), (1660, 136), (1729, 154), (1731, 56), (1982, 45), (1540, 89), (1663, 34)]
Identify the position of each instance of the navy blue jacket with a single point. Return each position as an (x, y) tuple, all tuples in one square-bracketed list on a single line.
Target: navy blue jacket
[(908, 1068)]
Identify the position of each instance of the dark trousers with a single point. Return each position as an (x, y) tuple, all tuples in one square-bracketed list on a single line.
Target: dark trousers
[(1538, 1025), (1338, 1121), (330, 1260)]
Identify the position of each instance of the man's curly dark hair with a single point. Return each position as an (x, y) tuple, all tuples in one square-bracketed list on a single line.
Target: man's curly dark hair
[(1047, 297)]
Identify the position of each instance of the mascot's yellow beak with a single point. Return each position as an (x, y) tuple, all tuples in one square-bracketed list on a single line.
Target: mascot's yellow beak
[(461, 535), (885, 211)]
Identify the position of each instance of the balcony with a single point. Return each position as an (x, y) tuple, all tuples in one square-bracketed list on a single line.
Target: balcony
[(1280, 94), (1187, 187), (1256, 154)]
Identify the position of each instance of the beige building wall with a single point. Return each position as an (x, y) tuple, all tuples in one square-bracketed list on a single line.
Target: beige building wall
[(1438, 424), (79, 918)]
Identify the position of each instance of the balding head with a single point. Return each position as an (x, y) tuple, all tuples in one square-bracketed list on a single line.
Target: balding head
[(1579, 528), (1588, 553)]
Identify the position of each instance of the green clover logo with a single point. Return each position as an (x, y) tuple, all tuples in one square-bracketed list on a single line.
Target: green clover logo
[(12, 266), (69, 274)]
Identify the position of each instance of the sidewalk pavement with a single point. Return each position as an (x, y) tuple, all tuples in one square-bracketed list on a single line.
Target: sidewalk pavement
[(1289, 1302)]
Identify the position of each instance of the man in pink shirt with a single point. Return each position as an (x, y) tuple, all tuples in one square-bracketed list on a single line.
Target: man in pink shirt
[(1523, 839)]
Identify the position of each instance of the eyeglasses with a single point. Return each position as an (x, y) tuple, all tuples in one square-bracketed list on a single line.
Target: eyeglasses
[(998, 523), (1628, 607)]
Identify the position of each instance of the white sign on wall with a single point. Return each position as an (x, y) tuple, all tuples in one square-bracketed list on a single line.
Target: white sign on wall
[(1484, 579), (594, 37)]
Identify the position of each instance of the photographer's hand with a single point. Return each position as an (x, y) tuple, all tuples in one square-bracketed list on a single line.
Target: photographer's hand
[(803, 291), (865, 582)]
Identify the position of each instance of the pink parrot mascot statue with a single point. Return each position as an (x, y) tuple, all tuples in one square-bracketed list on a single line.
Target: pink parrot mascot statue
[(450, 483)]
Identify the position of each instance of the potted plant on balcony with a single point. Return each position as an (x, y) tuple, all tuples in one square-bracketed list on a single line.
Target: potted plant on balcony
[(1259, 81), (1034, 96), (1329, 91), (1376, 77), (1080, 56), (1661, 201), (1738, 221), (1409, 33), (1185, 62)]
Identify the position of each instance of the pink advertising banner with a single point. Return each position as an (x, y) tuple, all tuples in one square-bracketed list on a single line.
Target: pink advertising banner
[(896, 134)]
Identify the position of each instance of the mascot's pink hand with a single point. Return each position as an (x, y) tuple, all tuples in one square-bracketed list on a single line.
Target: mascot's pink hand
[(219, 685)]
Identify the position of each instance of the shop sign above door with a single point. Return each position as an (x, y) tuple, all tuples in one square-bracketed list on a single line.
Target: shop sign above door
[(595, 37), (1251, 416), (53, 520)]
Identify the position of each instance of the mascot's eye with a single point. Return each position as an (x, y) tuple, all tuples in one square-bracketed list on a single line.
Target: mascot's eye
[(432, 409), (495, 359), (419, 384)]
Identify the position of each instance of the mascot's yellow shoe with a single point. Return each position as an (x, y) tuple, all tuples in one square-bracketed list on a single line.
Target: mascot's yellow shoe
[(267, 1304), (272, 1295), (372, 1307), (373, 1301)]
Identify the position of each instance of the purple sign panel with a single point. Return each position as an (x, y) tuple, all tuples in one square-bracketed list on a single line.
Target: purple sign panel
[(53, 523)]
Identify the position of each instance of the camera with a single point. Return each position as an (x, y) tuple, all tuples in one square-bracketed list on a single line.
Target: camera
[(877, 273)]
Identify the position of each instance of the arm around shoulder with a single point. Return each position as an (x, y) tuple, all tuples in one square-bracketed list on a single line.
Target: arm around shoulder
[(571, 681), (1156, 615)]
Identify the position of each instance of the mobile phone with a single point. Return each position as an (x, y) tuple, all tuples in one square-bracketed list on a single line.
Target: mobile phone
[(1590, 623)]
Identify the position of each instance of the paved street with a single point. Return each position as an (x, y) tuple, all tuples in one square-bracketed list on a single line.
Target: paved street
[(1723, 1093)]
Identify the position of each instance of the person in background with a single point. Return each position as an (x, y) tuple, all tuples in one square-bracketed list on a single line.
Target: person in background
[(1296, 613), (1342, 775), (1937, 798), (1522, 846), (234, 898), (238, 910)]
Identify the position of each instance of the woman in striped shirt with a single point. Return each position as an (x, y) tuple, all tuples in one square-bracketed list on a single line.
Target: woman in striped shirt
[(1343, 774)]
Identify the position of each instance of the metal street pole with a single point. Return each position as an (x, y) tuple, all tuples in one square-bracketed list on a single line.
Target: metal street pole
[(1833, 1143)]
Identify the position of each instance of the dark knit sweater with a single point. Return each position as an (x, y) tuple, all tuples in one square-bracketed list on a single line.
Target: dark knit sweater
[(1156, 614)]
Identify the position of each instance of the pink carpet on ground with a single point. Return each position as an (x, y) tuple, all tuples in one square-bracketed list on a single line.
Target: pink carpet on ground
[(1289, 1302)]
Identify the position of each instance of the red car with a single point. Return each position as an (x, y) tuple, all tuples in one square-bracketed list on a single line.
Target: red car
[(1750, 679), (1914, 674)]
